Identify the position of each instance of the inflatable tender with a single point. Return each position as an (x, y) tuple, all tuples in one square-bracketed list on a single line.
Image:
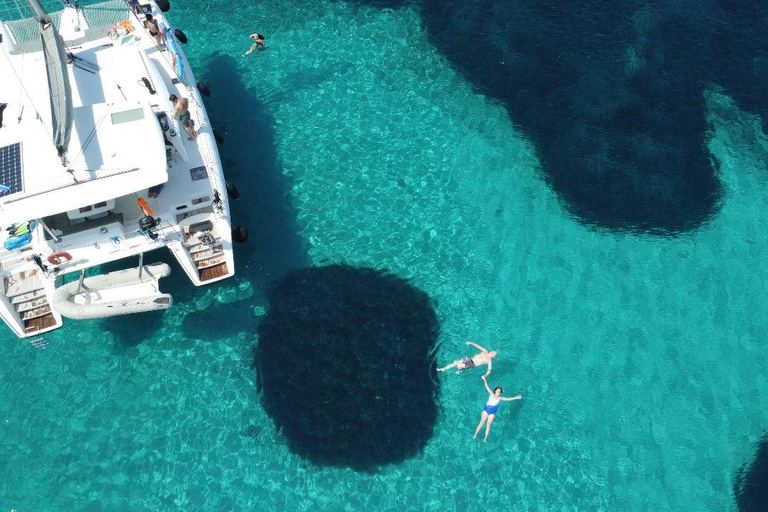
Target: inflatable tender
[(117, 293)]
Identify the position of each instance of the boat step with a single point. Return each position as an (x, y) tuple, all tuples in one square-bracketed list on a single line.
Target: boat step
[(201, 265), (14, 291), (34, 313), (196, 238), (39, 323), (213, 272), (6, 264), (18, 299), (21, 283), (31, 304), (206, 255), (39, 342), (204, 247)]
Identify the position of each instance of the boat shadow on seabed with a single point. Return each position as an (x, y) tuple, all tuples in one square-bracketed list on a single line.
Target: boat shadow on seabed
[(611, 95), (750, 487), (250, 160)]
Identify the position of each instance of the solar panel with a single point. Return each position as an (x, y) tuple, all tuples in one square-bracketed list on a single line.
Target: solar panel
[(10, 169)]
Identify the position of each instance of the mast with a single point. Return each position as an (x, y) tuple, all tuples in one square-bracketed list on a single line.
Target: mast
[(58, 83)]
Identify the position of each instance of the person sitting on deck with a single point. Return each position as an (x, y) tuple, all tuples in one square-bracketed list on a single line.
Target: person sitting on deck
[(182, 111), (465, 363), (258, 43), (136, 7)]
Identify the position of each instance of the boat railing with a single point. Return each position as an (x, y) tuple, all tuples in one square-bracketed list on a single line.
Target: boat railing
[(172, 48)]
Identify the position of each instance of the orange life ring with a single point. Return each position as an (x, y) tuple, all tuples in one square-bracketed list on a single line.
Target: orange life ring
[(58, 258)]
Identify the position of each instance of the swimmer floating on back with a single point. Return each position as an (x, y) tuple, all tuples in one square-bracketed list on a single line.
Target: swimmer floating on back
[(258, 43), (465, 363), (491, 406)]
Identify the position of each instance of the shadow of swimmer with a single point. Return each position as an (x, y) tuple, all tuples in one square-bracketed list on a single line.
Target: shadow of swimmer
[(751, 484), (346, 366)]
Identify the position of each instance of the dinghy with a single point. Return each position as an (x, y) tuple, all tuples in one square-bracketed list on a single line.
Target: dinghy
[(134, 290)]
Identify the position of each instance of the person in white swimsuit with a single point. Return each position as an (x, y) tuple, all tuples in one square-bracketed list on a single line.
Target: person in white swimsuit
[(491, 406)]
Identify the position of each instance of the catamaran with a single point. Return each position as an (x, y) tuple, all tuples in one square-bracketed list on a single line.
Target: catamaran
[(96, 166)]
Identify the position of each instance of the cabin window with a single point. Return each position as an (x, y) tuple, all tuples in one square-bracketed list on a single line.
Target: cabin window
[(92, 210)]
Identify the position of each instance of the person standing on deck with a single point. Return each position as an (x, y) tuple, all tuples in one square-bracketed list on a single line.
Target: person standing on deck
[(182, 111), (465, 363), (491, 406), (154, 31)]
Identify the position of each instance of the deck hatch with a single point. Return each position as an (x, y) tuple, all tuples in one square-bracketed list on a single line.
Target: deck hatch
[(10, 168), (198, 173), (128, 116)]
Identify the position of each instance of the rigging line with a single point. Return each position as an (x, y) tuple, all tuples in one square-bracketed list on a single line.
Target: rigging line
[(21, 84), (84, 145), (109, 69), (23, 56), (163, 54), (146, 30)]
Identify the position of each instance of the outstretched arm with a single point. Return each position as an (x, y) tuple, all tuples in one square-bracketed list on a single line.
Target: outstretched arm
[(506, 399), (478, 347), (490, 366), (486, 385), (176, 110)]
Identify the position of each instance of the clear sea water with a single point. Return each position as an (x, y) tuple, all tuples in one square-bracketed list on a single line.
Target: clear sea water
[(354, 140)]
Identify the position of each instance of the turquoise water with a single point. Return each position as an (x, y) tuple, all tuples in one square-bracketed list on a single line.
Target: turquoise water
[(352, 140)]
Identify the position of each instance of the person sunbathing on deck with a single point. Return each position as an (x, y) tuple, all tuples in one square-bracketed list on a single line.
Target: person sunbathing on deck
[(465, 363)]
